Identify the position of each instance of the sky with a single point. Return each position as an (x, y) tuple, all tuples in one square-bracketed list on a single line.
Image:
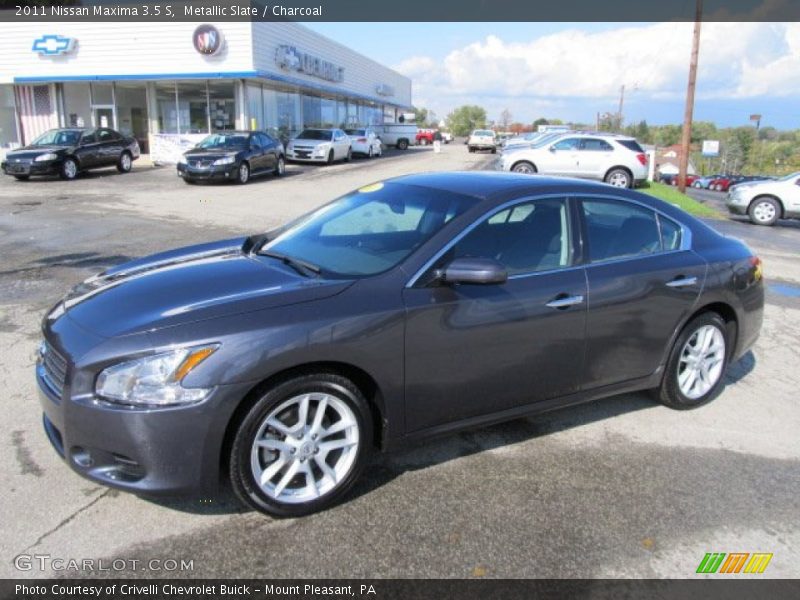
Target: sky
[(572, 71)]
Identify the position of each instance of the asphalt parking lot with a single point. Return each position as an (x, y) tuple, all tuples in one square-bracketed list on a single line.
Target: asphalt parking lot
[(619, 488)]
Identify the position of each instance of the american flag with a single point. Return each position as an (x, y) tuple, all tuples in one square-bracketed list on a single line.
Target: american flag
[(36, 114)]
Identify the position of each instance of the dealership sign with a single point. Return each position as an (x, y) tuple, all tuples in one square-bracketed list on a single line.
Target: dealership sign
[(711, 148), (207, 40), (54, 45), (383, 89), (290, 58)]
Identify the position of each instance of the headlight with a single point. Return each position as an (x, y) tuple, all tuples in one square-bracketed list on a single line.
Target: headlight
[(322, 149), (48, 156), (182, 160), (225, 160), (154, 380)]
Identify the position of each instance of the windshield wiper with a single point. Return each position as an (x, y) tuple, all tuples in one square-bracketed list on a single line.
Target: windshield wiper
[(301, 266)]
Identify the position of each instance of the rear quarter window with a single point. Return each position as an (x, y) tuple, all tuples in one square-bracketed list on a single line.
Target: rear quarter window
[(632, 145)]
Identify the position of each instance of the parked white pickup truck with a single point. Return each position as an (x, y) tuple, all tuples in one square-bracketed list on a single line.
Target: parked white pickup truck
[(401, 136)]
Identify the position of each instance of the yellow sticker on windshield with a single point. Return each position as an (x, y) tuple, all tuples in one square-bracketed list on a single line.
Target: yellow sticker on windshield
[(373, 187)]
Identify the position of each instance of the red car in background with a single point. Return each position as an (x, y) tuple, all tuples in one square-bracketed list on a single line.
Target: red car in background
[(722, 184), (690, 179), (424, 137)]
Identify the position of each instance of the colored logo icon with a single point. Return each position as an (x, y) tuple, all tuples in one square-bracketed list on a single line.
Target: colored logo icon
[(734, 562), (53, 45), (207, 40)]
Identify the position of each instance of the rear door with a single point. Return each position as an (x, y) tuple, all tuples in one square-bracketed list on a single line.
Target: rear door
[(593, 155), (109, 145), (643, 281), (88, 150), (270, 147), (256, 154)]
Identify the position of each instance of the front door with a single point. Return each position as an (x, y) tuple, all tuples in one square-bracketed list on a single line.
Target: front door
[(642, 285), (560, 158), (473, 350)]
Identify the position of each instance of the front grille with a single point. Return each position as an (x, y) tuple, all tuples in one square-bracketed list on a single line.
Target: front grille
[(201, 164), (303, 153), (55, 369)]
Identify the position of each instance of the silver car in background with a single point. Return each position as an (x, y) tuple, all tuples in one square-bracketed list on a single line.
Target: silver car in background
[(319, 145), (482, 139), (618, 160), (766, 201)]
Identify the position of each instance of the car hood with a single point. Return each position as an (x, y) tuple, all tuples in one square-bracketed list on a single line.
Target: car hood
[(34, 151), (188, 285), (304, 142)]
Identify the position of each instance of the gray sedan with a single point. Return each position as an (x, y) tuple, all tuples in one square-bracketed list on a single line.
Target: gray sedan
[(405, 309)]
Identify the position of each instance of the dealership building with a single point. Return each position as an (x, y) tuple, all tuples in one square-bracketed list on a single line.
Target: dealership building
[(170, 84)]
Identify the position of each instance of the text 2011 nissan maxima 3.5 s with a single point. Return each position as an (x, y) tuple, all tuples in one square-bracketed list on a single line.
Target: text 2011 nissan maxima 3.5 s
[(407, 308)]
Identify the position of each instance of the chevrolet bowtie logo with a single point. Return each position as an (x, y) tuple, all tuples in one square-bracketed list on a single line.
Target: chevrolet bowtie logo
[(52, 45)]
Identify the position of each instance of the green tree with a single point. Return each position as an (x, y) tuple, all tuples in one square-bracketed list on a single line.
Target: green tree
[(466, 118), (420, 116)]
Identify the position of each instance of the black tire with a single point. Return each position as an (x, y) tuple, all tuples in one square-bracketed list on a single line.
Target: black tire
[(349, 155), (241, 475), (125, 162), (402, 144), (280, 167), (330, 158), (764, 211), (494, 150), (471, 149), (669, 393), (524, 166), (189, 181), (243, 173), (69, 169), (619, 178), (22, 177)]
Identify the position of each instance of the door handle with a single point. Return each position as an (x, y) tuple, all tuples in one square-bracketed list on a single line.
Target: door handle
[(564, 301), (681, 281)]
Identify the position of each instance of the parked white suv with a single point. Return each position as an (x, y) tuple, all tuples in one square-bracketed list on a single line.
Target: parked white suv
[(615, 159), (766, 201)]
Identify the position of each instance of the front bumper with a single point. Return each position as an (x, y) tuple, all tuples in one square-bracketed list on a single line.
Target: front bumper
[(218, 173), (165, 451), (306, 157), (736, 205), (28, 168)]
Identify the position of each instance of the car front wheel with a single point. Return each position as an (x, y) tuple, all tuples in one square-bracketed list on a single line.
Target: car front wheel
[(764, 211), (124, 163), (280, 167), (69, 169), (696, 364), (302, 445)]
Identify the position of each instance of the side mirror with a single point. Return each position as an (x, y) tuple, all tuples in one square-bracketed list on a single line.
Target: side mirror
[(478, 271)]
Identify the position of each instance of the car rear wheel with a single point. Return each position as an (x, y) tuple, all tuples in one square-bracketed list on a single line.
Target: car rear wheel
[(696, 364), (349, 155), (124, 163), (302, 445), (402, 145), (280, 167), (22, 177), (764, 211), (330, 157), (69, 169), (524, 167), (370, 153), (243, 173), (619, 178)]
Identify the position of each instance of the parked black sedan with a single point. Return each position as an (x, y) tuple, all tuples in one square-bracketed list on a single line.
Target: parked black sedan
[(232, 156), (67, 152), (407, 308)]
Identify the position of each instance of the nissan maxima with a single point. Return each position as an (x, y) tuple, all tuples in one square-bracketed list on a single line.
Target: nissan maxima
[(408, 308)]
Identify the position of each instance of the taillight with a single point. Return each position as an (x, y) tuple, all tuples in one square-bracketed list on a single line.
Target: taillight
[(362, 140), (758, 271), (642, 159)]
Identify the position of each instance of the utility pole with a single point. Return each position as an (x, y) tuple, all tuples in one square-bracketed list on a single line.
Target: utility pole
[(686, 138)]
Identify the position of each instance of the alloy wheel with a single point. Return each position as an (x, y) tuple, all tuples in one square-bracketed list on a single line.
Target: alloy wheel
[(305, 448), (70, 169), (125, 162), (701, 361), (244, 173), (618, 179)]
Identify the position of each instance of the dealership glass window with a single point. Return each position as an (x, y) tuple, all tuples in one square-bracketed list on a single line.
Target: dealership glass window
[(167, 104), (222, 105), (288, 109), (77, 104), (255, 107), (8, 123), (312, 111), (352, 114), (388, 114), (131, 98), (102, 93), (192, 107), (341, 114), (328, 112)]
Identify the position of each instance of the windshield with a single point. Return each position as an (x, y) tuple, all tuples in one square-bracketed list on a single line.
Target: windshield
[(546, 140), (315, 134), (483, 132), (224, 140), (58, 137), (355, 131), (368, 231), (790, 176)]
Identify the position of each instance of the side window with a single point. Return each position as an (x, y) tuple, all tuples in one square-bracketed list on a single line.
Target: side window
[(619, 229), (104, 135), (265, 140), (528, 237), (567, 144), (255, 142), (89, 138), (595, 145), (670, 234)]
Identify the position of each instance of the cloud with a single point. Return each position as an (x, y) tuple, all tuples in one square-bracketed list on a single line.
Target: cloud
[(737, 60)]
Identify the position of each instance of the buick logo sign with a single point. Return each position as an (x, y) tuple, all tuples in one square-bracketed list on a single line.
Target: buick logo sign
[(207, 40)]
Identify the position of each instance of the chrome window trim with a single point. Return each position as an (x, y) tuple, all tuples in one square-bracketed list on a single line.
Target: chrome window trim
[(686, 235)]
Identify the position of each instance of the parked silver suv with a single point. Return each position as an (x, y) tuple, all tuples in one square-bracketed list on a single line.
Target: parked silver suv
[(615, 159)]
